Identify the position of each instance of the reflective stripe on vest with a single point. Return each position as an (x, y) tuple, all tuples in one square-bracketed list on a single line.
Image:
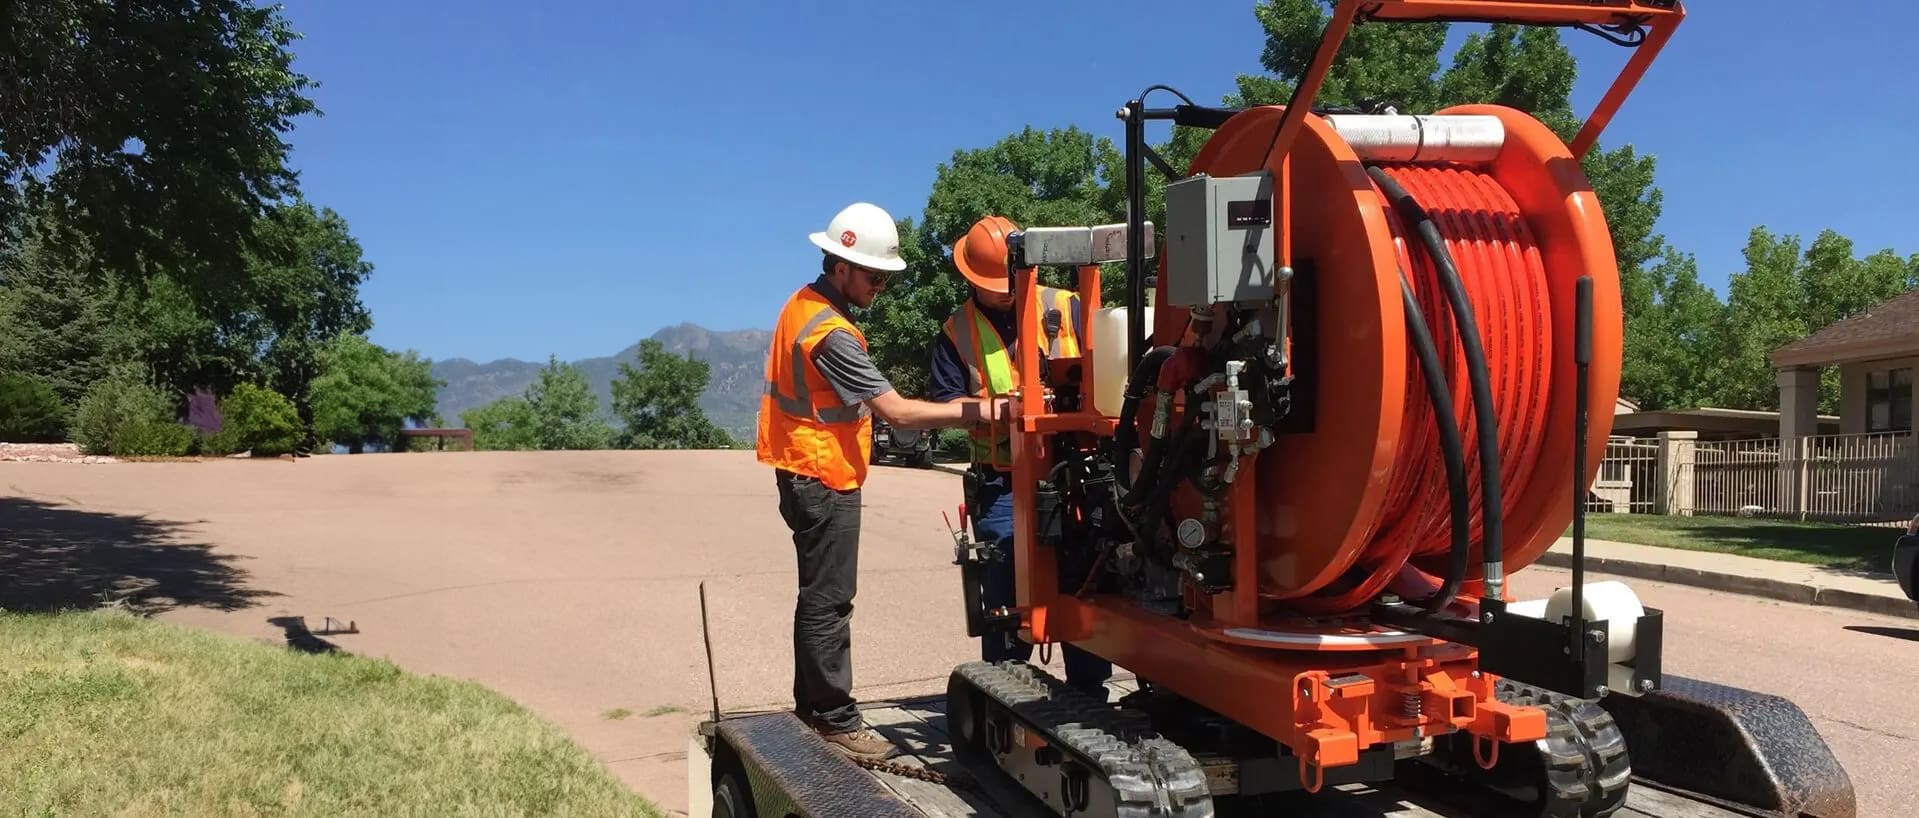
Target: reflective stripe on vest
[(991, 370), (802, 405)]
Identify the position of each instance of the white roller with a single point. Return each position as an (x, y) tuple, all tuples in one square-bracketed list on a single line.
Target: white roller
[(1395, 138), (1535, 608), (1611, 601)]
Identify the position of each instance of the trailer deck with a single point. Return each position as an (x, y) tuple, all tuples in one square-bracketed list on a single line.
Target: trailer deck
[(925, 779)]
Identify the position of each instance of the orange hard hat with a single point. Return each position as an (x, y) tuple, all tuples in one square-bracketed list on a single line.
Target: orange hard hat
[(980, 255)]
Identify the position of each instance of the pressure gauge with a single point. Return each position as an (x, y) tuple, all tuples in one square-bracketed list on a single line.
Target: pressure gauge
[(1192, 533)]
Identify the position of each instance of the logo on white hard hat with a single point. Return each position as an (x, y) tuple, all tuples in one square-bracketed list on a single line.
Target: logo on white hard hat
[(862, 223)]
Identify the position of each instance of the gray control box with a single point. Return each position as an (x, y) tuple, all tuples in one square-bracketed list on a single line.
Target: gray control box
[(1219, 240)]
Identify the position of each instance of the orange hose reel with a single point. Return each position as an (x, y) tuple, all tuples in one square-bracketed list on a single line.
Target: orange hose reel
[(1359, 504)]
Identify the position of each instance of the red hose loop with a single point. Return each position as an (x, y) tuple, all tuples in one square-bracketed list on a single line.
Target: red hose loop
[(1504, 276)]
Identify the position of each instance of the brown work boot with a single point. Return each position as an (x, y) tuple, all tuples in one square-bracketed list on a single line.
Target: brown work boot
[(862, 743)]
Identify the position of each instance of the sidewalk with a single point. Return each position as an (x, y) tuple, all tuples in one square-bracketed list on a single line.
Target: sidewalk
[(1784, 581)]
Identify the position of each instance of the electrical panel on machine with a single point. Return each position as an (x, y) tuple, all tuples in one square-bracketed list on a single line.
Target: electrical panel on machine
[(1219, 240)]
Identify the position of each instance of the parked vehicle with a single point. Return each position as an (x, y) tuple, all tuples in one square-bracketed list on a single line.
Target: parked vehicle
[(1905, 560), (910, 446)]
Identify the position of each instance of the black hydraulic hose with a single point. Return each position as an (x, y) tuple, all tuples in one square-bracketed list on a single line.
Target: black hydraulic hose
[(1451, 450), (1126, 435), (1145, 375), (1184, 442), (1492, 509)]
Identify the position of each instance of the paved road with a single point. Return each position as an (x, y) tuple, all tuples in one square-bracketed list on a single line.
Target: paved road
[(569, 582), (1852, 673)]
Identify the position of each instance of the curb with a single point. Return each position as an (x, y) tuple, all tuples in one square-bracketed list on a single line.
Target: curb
[(1774, 589)]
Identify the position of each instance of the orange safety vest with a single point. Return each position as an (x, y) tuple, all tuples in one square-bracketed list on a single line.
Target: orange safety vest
[(803, 427), (992, 371)]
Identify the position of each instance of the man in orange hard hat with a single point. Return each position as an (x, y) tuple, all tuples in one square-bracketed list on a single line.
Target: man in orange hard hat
[(976, 358), (815, 430)]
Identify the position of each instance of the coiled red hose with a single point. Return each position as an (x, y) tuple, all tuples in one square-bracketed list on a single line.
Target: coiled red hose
[(1504, 277)]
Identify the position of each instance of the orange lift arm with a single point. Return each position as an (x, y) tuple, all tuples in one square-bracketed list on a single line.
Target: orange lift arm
[(1623, 21)]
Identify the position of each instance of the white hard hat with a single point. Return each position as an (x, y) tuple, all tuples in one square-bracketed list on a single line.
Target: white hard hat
[(865, 235)]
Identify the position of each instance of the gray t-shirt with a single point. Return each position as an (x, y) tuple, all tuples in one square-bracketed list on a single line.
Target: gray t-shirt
[(848, 368)]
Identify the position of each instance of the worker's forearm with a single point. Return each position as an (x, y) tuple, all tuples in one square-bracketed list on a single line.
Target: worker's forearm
[(916, 414)]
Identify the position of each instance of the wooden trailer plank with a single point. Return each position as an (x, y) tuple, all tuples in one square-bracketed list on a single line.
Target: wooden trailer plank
[(1647, 801)]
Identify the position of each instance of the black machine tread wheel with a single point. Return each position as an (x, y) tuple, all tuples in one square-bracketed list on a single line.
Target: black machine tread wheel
[(1586, 769)]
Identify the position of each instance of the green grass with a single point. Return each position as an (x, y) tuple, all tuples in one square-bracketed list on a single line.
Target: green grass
[(1834, 546), (105, 713)]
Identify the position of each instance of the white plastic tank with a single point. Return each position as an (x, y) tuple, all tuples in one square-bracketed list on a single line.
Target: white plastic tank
[(1111, 358)]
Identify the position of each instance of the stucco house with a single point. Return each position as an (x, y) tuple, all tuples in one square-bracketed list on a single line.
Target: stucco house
[(1877, 352), (1870, 470)]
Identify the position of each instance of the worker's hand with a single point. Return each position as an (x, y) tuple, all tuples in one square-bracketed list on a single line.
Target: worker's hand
[(1000, 410)]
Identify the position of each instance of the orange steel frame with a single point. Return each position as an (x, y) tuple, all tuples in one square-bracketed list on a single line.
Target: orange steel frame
[(1340, 702)]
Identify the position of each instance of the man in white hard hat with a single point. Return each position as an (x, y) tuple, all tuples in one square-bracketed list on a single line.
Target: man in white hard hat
[(815, 430)]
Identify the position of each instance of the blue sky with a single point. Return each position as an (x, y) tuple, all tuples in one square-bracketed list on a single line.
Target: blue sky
[(571, 179)]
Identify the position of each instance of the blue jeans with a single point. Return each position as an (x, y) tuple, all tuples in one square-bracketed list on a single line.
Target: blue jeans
[(992, 514)]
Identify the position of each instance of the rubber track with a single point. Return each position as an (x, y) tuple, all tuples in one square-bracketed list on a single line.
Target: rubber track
[(1150, 776), (1587, 770)]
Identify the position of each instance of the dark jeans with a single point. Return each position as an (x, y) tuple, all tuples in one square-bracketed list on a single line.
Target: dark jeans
[(826, 540), (992, 511)]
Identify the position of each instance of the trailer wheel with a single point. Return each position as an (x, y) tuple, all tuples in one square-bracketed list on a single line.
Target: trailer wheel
[(732, 798)]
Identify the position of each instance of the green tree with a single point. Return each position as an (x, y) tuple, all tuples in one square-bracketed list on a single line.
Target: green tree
[(659, 402), (259, 420), (1789, 289), (56, 319), (505, 424), (302, 289), (125, 397), (366, 394), (1672, 355), (30, 411), (565, 413), (161, 122), (1063, 176)]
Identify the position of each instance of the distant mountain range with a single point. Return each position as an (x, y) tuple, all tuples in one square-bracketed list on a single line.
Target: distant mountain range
[(736, 357)]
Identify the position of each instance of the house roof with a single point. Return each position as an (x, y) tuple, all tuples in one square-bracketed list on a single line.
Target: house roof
[(1885, 330), (1710, 422)]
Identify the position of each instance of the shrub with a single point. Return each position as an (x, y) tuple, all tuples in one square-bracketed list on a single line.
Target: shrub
[(258, 419), (152, 438), (120, 399), (951, 443), (30, 411)]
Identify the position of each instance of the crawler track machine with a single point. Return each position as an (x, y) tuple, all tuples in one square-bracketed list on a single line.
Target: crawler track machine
[(1374, 378)]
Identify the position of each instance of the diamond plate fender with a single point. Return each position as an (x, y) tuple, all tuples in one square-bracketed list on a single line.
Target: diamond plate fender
[(792, 772), (1774, 759)]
